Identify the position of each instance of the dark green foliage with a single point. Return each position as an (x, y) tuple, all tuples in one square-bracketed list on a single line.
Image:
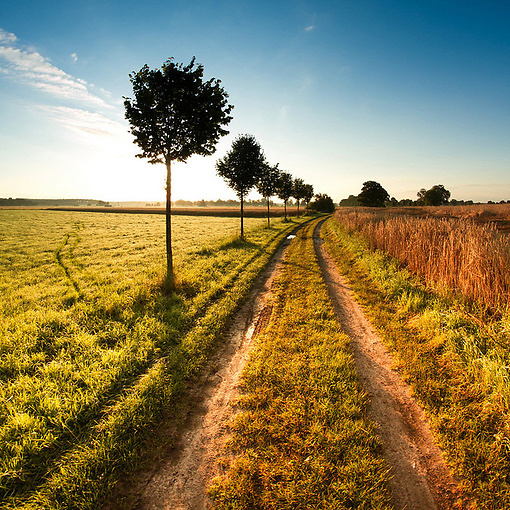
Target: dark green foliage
[(284, 188), (373, 195), (175, 114), (350, 201), (323, 203), (298, 190), (267, 183), (437, 195), (308, 193), (242, 167)]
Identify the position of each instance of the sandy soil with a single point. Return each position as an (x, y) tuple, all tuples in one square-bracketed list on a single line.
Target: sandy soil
[(177, 475)]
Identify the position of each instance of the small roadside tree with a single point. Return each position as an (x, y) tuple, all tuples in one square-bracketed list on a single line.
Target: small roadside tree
[(373, 195), (308, 194), (298, 191), (284, 189), (267, 184), (242, 167), (323, 203), (174, 114)]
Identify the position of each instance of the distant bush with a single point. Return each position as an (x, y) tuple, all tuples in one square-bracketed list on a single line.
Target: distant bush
[(323, 203)]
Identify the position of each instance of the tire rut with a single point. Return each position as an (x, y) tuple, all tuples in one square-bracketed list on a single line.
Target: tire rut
[(420, 478), (179, 477)]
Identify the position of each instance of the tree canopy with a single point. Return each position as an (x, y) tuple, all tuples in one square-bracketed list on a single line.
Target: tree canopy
[(284, 189), (308, 195), (323, 203), (267, 183), (174, 114), (242, 167), (373, 195), (437, 195), (298, 190)]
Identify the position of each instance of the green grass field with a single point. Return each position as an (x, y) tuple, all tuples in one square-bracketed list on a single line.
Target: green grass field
[(91, 348)]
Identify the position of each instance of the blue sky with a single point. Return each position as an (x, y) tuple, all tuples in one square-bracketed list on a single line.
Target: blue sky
[(409, 94)]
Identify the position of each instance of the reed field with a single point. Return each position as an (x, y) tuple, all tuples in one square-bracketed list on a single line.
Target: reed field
[(92, 348), (453, 348), (302, 438), (455, 254)]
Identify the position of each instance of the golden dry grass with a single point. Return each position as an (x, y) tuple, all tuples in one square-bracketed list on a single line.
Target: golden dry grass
[(456, 253)]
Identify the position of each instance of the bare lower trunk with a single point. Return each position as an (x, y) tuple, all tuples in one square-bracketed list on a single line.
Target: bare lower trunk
[(170, 278), (298, 208), (268, 212), (285, 207), (242, 216)]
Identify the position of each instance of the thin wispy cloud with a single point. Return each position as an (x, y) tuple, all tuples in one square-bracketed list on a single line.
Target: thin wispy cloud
[(83, 121), (74, 57), (30, 67), (309, 28), (7, 37)]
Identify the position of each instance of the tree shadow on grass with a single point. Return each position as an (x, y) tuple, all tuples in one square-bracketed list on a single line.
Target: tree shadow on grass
[(237, 243)]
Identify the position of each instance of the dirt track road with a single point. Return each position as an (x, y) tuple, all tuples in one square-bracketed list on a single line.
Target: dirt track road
[(178, 480)]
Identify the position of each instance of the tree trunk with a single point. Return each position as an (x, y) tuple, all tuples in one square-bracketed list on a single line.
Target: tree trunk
[(298, 207), (285, 206), (242, 216), (268, 224), (170, 277)]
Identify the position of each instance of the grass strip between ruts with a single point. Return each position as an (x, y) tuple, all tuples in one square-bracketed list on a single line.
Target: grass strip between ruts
[(452, 359), (302, 439)]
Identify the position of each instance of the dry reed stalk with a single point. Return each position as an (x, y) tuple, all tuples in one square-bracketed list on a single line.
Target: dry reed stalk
[(456, 254)]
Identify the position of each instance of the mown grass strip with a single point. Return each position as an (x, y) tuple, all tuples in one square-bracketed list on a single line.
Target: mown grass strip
[(164, 341), (302, 439), (456, 362)]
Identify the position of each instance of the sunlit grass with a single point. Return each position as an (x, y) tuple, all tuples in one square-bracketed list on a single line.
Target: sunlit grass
[(92, 348), (302, 438)]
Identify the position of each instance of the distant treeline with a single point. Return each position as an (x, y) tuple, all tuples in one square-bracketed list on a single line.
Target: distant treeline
[(79, 202), (222, 203), (36, 202), (352, 201)]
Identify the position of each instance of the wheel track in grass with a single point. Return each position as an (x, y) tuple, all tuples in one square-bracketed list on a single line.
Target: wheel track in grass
[(178, 476), (420, 478), (67, 246)]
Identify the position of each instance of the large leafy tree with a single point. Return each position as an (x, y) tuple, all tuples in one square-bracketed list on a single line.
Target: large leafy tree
[(437, 195), (298, 191), (284, 189), (242, 167), (175, 113), (373, 195), (267, 184)]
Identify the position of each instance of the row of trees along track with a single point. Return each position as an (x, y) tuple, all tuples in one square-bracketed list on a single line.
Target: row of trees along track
[(175, 114)]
